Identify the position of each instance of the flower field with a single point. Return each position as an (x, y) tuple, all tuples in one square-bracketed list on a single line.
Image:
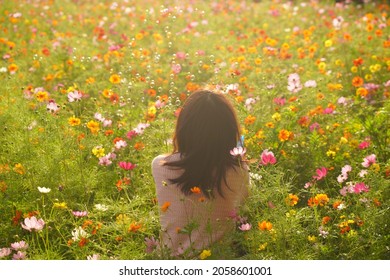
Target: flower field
[(89, 95)]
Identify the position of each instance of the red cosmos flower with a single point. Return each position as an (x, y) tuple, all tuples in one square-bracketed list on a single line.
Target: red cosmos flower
[(126, 165)]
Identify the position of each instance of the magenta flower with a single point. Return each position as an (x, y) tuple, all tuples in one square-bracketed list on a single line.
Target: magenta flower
[(33, 224), (369, 160), (238, 151), (364, 145), (267, 157), (126, 165), (360, 187), (321, 173), (245, 227)]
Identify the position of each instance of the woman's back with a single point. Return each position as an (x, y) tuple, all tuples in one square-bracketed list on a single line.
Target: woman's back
[(193, 221)]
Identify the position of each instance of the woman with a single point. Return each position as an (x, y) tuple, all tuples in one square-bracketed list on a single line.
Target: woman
[(200, 183)]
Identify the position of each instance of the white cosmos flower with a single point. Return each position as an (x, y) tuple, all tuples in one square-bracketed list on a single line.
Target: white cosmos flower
[(43, 190)]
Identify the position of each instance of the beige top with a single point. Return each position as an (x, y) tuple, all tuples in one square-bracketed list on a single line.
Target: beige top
[(208, 219)]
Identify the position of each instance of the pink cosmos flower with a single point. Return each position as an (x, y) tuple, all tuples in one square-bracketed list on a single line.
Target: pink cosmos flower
[(369, 160), (151, 244), (314, 126), (180, 55), (120, 144), (80, 213), (360, 187), (307, 185), (310, 83), (321, 173), (19, 246), (19, 256), (131, 134), (4, 252), (74, 96), (347, 168), (126, 165), (238, 151), (267, 157), (105, 160), (176, 68), (33, 224), (342, 100), (94, 257), (52, 106), (245, 227), (280, 101)]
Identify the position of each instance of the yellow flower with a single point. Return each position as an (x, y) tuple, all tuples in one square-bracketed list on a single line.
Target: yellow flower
[(354, 69), (331, 153), (343, 140), (122, 219), (292, 199), (276, 117), (205, 254), (42, 96), (93, 126), (321, 199), (60, 205), (328, 43), (19, 169), (312, 238), (322, 65), (263, 246), (98, 151), (73, 121)]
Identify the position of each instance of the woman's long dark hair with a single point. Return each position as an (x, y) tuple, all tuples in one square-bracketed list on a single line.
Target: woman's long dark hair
[(206, 130)]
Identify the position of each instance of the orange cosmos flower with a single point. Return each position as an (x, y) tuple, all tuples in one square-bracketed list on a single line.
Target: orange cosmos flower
[(115, 79), (165, 206), (12, 68), (357, 81), (73, 121), (42, 96), (285, 135), (325, 220), (292, 199), (322, 199), (134, 227), (19, 169), (93, 126), (362, 92), (139, 146), (249, 120), (196, 190), (312, 202), (264, 225)]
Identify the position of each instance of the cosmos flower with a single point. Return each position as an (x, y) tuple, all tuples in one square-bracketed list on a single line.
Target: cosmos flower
[(267, 157), (44, 190), (32, 224), (369, 160), (238, 151), (321, 173), (126, 165)]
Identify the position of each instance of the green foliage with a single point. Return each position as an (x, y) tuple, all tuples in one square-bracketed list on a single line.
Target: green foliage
[(121, 58)]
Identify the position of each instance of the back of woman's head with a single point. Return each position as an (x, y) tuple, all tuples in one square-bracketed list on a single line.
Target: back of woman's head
[(206, 131)]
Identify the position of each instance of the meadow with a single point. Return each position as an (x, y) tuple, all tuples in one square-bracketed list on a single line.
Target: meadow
[(89, 95)]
